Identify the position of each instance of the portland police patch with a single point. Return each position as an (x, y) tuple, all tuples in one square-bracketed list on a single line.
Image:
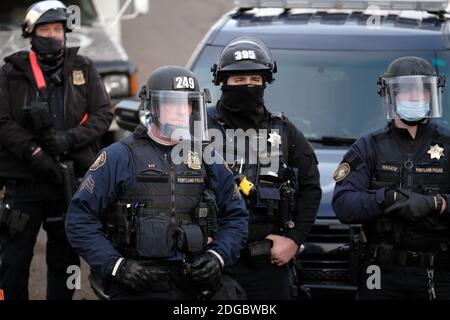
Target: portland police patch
[(100, 161), (341, 172)]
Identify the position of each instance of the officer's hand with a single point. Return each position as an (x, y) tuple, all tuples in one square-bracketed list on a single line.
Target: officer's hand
[(139, 276), (46, 166), (413, 206), (283, 249), (206, 269), (59, 143), (392, 196)]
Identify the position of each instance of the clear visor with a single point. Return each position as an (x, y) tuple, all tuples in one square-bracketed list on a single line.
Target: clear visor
[(177, 115), (412, 98)]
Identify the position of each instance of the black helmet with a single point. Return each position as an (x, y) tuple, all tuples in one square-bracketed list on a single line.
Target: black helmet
[(409, 66), (44, 12), (244, 54), (172, 78), (174, 86)]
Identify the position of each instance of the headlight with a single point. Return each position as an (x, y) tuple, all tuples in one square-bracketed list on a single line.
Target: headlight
[(117, 85)]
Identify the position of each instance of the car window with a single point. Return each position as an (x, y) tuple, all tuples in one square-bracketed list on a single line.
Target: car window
[(328, 93)]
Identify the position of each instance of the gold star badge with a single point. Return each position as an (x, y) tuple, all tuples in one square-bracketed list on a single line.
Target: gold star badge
[(436, 152), (274, 139)]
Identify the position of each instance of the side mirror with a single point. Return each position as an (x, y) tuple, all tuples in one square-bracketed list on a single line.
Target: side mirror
[(127, 114)]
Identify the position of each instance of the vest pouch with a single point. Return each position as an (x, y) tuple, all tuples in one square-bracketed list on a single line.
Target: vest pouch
[(154, 236), (190, 239), (268, 198), (118, 227)]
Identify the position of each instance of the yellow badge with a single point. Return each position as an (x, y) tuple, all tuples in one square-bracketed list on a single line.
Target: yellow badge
[(78, 77), (436, 152), (101, 160), (194, 161), (341, 172)]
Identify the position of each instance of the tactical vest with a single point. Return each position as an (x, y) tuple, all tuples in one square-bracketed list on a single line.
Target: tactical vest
[(160, 213), (268, 206), (416, 172)]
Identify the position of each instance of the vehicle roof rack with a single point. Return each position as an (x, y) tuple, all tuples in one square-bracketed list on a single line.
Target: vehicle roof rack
[(434, 6)]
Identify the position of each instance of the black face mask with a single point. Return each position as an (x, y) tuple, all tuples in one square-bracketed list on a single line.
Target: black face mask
[(242, 106), (49, 50)]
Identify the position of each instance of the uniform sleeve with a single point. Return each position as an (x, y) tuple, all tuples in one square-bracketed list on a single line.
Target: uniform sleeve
[(99, 111), (233, 215), (302, 156), (353, 200), (13, 136), (103, 183)]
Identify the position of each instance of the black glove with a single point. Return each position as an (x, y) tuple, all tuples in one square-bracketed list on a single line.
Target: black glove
[(206, 270), (141, 276), (46, 167), (58, 143), (412, 206)]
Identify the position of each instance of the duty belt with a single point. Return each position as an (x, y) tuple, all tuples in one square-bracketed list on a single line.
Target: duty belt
[(407, 258)]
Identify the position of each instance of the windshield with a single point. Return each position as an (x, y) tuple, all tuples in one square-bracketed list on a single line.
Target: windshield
[(13, 12), (328, 93)]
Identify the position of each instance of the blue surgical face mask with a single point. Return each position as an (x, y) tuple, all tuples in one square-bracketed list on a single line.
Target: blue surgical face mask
[(412, 110)]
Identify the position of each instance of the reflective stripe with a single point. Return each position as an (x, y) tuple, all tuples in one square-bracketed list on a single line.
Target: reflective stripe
[(116, 266), (218, 256)]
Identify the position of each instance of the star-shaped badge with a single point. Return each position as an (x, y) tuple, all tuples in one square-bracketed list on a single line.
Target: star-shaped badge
[(274, 139), (436, 152)]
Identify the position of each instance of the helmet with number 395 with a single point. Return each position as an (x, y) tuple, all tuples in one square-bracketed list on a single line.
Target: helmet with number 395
[(244, 55)]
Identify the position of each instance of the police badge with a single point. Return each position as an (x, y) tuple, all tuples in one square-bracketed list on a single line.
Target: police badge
[(193, 161), (78, 77)]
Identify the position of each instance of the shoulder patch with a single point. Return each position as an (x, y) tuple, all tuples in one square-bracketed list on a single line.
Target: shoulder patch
[(341, 172), (100, 161)]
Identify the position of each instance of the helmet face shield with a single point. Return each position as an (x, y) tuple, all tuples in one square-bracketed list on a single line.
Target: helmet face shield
[(178, 115), (412, 98)]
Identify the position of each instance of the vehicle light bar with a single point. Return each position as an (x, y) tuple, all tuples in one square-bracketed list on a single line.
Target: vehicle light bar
[(425, 5)]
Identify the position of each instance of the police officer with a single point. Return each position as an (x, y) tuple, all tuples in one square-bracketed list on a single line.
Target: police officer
[(276, 169), (395, 182), (154, 205), (53, 111)]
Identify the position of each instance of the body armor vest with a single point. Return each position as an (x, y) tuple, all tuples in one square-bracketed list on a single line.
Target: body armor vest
[(159, 214), (419, 173), (264, 163)]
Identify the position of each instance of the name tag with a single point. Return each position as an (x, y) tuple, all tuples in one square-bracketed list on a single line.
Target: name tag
[(190, 180), (430, 170), (390, 168)]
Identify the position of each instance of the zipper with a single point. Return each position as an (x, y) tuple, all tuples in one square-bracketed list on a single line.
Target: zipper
[(408, 165), (172, 186)]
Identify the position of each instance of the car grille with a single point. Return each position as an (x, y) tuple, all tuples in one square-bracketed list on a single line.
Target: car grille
[(326, 258)]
